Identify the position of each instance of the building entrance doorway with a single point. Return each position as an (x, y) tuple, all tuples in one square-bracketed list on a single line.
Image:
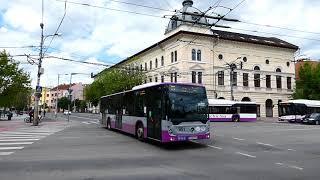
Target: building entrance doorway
[(269, 108)]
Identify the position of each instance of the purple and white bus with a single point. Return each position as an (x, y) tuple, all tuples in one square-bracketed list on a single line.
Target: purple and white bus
[(165, 112), (226, 110)]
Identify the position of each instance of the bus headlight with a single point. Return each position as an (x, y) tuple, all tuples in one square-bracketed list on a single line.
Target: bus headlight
[(203, 128), (197, 129)]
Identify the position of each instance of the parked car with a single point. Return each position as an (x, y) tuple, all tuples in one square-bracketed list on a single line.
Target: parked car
[(313, 118), (67, 112)]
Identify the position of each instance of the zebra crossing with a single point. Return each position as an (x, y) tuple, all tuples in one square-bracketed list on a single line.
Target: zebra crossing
[(90, 122), (13, 141)]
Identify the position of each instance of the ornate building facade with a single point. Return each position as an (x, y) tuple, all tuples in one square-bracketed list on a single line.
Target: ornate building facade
[(192, 52)]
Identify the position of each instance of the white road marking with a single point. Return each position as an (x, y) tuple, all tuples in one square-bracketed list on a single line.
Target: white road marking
[(95, 122), (5, 153), (15, 143), (289, 166), (84, 118), (215, 147), (291, 150), (11, 148), (265, 144), (17, 140), (296, 167), (85, 122), (244, 154), (19, 136), (24, 133), (239, 139)]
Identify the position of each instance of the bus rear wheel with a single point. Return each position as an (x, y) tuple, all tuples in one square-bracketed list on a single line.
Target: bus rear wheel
[(140, 132)]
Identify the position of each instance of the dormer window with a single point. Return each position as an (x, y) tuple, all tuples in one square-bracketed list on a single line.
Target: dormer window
[(174, 24)]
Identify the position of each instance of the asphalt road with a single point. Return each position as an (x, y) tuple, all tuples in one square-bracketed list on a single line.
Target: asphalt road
[(242, 151)]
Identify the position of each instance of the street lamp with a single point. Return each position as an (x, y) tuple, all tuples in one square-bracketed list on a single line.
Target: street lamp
[(56, 113), (40, 72), (71, 74)]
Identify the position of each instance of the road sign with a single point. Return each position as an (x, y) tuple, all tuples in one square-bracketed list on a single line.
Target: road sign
[(38, 88)]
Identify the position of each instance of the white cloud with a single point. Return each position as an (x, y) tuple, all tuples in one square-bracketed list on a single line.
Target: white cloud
[(92, 33)]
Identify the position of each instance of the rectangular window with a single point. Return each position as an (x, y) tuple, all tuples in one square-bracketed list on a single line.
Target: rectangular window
[(47, 95), (175, 56), (200, 77), (141, 68), (256, 80), (162, 61), (145, 66), (172, 57), (156, 63), (233, 78), (150, 64), (175, 77), (171, 77), (162, 78), (194, 74), (221, 78), (268, 81), (156, 79), (245, 79), (279, 84), (289, 83), (150, 79)]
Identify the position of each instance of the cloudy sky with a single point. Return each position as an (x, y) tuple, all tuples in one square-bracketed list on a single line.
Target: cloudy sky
[(106, 36)]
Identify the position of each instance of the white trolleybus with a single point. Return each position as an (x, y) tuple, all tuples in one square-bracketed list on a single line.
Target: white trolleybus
[(165, 112), (296, 110), (226, 110)]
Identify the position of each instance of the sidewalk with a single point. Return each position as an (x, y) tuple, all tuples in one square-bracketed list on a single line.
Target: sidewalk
[(18, 122)]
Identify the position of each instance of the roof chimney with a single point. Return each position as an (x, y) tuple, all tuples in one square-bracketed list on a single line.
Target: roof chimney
[(187, 3)]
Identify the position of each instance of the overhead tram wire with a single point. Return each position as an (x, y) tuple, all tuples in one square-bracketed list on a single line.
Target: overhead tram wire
[(17, 47), (279, 27), (275, 34), (113, 9), (56, 32)]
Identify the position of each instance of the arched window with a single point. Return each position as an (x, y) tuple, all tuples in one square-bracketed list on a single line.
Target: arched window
[(193, 54), (199, 55), (278, 79), (246, 99), (256, 77)]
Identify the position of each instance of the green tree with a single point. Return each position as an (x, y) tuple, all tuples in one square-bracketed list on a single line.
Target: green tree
[(308, 84), (112, 81), (14, 83), (63, 103)]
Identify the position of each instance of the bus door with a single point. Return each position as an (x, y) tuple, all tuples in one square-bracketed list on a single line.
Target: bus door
[(154, 113), (118, 123)]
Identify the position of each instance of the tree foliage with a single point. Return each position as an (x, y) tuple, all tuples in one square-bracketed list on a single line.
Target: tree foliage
[(112, 81), (63, 103), (308, 84), (14, 83)]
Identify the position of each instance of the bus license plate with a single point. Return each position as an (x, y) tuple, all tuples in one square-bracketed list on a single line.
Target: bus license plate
[(193, 138)]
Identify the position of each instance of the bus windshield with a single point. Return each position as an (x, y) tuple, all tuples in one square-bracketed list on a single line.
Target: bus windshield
[(187, 103), (286, 109)]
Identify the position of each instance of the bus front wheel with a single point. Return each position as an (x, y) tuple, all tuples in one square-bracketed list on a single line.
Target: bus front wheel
[(140, 132), (236, 119)]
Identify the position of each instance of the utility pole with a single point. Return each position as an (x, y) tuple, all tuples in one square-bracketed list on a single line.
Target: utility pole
[(40, 71), (232, 68), (58, 94), (69, 97)]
